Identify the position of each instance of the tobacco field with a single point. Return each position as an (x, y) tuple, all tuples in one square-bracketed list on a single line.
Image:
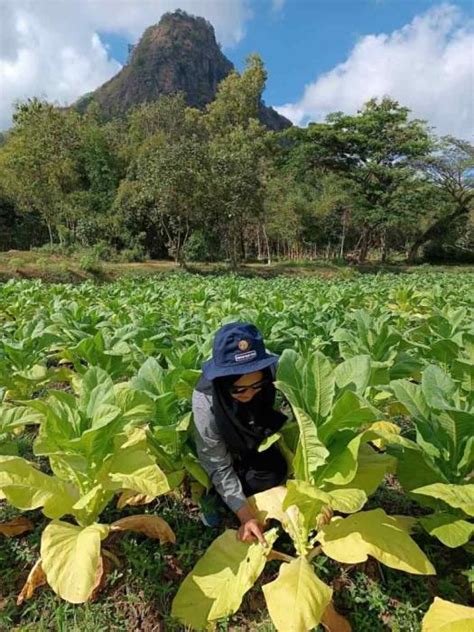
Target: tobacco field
[(100, 483)]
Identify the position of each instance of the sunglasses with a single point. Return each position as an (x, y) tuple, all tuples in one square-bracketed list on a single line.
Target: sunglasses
[(239, 390)]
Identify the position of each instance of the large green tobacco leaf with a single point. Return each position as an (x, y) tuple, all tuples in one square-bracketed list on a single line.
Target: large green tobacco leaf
[(349, 411), (411, 396), (371, 469), (450, 529), (136, 406), (351, 540), (308, 383), (444, 616), (152, 379), (457, 496), (25, 487), (353, 374), (70, 557), (438, 388), (297, 599), (415, 468), (310, 453), (216, 585), (342, 463), (97, 389)]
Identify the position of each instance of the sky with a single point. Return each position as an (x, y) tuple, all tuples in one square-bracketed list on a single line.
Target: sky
[(321, 55)]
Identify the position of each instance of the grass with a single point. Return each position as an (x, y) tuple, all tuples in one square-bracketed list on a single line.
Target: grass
[(139, 593), (16, 264)]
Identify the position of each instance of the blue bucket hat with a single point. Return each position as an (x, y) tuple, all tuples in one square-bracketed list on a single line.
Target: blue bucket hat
[(238, 348)]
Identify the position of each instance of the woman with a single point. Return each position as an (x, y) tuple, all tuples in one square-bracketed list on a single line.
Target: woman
[(233, 413)]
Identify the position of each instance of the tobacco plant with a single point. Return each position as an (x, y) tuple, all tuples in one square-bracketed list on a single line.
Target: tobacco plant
[(438, 466), (335, 470), (96, 447), (297, 600)]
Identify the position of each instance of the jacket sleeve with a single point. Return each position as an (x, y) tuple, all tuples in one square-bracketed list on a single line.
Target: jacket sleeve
[(214, 455)]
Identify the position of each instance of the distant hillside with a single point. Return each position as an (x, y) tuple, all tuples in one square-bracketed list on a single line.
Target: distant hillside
[(180, 54)]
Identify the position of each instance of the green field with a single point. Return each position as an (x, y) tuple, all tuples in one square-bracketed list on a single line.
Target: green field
[(95, 387)]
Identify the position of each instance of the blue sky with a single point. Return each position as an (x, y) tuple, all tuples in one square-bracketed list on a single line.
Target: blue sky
[(305, 38), (321, 55)]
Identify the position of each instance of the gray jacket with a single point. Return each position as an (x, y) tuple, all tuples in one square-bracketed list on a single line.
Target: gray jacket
[(213, 453)]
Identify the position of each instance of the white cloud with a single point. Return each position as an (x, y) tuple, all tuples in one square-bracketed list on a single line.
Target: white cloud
[(277, 5), (51, 48), (428, 66)]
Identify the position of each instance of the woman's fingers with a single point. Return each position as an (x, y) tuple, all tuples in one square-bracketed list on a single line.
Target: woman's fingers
[(251, 531)]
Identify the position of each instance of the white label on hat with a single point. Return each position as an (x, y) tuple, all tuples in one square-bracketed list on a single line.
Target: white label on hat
[(243, 357)]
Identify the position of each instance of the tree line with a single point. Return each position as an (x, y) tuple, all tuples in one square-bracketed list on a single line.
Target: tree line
[(168, 180)]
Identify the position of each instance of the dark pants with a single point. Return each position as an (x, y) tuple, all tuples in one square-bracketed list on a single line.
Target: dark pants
[(259, 471)]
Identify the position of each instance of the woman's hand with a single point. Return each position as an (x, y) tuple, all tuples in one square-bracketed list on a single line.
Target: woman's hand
[(250, 530)]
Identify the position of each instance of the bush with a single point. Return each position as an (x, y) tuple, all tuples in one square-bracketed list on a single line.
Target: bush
[(132, 255), (90, 263), (105, 252), (202, 247)]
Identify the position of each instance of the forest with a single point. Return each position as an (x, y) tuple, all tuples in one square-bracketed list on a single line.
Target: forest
[(167, 181)]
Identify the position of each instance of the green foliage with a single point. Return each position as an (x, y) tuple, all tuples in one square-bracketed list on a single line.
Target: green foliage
[(106, 373), (165, 174)]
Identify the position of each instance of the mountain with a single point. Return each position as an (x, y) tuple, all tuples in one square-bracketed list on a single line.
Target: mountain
[(180, 54)]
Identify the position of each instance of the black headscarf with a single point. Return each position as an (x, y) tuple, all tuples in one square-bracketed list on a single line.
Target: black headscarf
[(243, 425)]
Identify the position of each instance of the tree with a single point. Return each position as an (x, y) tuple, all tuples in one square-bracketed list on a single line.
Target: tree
[(39, 160), (375, 148), (450, 169), (170, 178), (238, 98)]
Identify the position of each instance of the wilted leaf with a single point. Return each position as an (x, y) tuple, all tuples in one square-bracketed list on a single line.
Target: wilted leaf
[(332, 621), (151, 526), (297, 599), (35, 579), (132, 499), (17, 526)]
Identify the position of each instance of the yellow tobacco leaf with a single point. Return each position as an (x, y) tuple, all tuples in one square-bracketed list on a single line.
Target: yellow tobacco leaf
[(444, 616), (132, 499), (351, 540), (297, 598), (71, 558), (216, 585)]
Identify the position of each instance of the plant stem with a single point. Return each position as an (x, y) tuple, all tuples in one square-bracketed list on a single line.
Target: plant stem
[(276, 555), (313, 553)]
